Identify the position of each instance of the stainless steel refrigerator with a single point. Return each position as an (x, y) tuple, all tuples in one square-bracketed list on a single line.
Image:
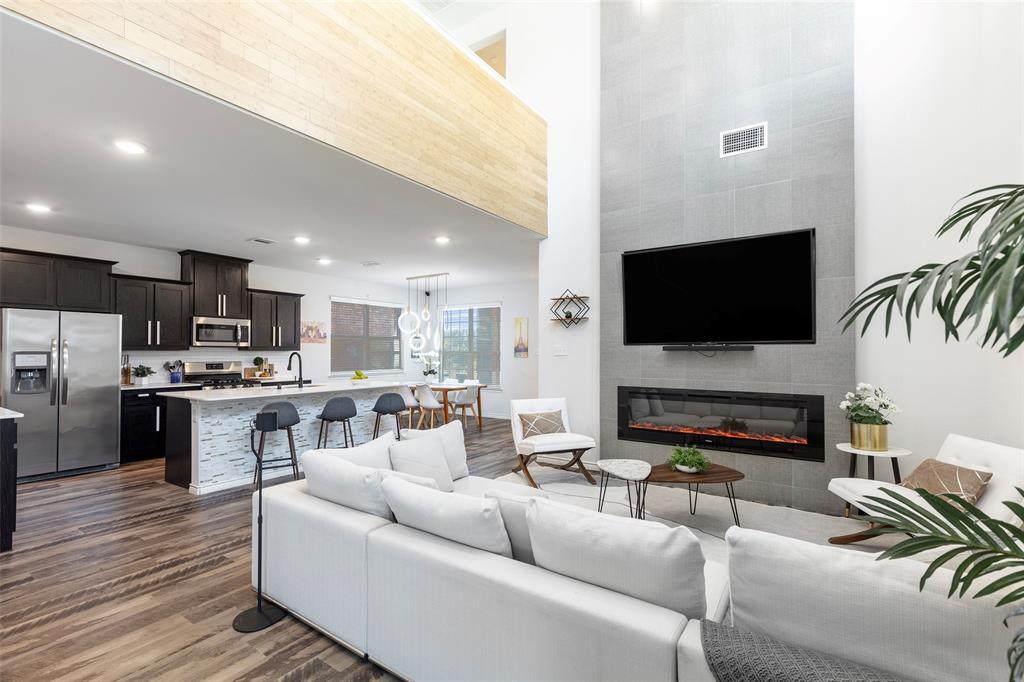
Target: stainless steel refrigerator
[(62, 371)]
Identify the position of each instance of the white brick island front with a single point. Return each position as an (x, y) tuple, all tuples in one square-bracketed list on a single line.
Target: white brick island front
[(208, 446)]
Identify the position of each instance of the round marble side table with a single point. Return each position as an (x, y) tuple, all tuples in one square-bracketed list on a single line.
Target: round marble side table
[(634, 472)]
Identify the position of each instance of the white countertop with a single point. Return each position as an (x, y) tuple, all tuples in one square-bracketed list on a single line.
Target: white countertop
[(274, 392), (157, 386), (9, 414)]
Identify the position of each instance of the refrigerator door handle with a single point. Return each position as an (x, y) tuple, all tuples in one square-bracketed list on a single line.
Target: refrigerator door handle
[(53, 371), (64, 375)]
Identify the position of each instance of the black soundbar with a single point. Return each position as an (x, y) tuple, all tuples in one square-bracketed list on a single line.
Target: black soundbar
[(708, 347)]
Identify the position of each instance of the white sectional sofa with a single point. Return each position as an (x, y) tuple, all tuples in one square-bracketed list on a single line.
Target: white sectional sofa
[(429, 608)]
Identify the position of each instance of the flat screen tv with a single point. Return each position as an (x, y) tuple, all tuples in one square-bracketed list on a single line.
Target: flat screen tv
[(750, 290)]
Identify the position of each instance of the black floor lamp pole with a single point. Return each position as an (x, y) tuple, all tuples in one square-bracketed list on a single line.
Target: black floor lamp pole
[(263, 615)]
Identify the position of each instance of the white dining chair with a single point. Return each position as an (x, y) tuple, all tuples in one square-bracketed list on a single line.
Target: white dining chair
[(411, 404), (465, 399), (428, 402)]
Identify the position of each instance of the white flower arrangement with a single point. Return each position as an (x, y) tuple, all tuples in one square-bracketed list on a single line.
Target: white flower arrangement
[(868, 405)]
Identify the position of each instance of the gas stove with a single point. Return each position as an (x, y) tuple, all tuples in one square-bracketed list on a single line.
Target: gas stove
[(217, 375)]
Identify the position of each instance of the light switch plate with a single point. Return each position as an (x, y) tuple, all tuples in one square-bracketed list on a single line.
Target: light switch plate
[(561, 350)]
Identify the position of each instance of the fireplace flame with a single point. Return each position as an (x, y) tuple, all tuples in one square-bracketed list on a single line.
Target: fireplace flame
[(720, 432)]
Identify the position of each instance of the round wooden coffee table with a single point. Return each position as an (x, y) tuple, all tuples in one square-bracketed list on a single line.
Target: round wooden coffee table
[(715, 473)]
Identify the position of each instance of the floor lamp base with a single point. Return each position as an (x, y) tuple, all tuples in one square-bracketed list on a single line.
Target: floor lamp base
[(256, 619)]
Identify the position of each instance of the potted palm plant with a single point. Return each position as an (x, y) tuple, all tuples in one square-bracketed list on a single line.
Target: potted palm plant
[(981, 290)]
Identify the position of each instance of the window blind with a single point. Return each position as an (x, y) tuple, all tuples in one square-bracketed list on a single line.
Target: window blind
[(365, 336), (470, 345)]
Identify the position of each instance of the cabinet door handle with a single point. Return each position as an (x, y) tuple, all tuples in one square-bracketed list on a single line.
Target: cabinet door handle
[(279, 337), (158, 418), (158, 332), (142, 395), (149, 332), (273, 336)]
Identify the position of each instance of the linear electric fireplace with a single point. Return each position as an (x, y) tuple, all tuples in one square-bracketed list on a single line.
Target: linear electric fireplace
[(770, 424)]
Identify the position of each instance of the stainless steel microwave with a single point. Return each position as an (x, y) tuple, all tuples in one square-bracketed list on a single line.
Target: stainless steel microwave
[(220, 331)]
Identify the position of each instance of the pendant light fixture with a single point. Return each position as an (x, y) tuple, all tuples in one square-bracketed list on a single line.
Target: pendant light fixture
[(423, 317)]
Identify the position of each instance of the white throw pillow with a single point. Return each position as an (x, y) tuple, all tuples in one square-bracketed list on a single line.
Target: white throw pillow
[(468, 520), (422, 457), (373, 454), (454, 440), (418, 480), (513, 514), (340, 481), (643, 559)]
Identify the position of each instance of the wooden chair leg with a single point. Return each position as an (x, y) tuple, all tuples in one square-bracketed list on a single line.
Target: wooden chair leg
[(853, 537), (578, 458), (423, 415), (524, 466), (465, 423)]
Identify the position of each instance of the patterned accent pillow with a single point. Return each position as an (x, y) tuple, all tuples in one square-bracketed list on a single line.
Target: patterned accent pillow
[(939, 477), (538, 423)]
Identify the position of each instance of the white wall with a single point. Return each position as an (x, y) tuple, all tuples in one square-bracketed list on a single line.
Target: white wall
[(135, 260), (939, 112), (554, 64), (518, 375)]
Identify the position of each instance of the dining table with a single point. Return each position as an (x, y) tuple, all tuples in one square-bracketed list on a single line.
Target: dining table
[(445, 389)]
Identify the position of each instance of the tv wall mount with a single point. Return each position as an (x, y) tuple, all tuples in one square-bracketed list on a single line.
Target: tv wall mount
[(569, 309)]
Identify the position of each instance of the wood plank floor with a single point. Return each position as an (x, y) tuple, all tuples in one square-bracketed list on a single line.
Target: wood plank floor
[(120, 576)]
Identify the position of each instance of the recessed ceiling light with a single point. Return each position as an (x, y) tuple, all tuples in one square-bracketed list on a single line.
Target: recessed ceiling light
[(38, 208), (323, 261), (130, 147), (442, 240), (301, 240)]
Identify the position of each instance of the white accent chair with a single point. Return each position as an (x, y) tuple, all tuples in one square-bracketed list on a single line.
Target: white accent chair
[(1005, 463), (428, 402), (527, 449)]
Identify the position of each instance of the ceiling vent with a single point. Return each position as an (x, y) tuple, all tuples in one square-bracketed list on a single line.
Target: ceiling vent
[(261, 240), (743, 140), (371, 263)]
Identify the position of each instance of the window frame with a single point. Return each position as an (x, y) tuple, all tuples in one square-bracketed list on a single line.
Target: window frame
[(475, 306), (370, 372)]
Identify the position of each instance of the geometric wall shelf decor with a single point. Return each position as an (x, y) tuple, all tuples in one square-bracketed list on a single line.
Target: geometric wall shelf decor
[(569, 309)]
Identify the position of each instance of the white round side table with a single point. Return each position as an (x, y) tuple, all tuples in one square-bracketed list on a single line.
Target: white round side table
[(634, 472), (892, 453)]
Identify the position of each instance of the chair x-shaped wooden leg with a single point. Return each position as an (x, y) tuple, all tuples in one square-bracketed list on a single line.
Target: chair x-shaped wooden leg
[(575, 462)]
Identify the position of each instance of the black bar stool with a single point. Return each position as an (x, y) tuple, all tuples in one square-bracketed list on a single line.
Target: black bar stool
[(339, 409), (389, 403), (287, 417)]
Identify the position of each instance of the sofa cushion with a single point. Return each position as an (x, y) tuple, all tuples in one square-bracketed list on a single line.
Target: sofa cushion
[(554, 442), (453, 438), (465, 519), (372, 454), (422, 457), (513, 514), (657, 408), (342, 482), (639, 408), (418, 480), (478, 486), (643, 559)]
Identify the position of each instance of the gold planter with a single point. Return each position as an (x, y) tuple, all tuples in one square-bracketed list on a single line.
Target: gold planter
[(873, 437)]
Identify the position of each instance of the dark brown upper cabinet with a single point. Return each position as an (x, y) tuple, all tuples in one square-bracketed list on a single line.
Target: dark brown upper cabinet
[(219, 284), (155, 313), (29, 279), (275, 319)]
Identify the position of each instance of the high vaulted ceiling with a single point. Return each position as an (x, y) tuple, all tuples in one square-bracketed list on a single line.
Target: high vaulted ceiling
[(214, 176)]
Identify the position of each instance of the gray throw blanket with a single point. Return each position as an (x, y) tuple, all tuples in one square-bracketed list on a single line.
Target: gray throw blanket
[(737, 656)]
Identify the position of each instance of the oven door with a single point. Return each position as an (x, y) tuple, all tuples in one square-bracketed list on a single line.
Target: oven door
[(220, 331)]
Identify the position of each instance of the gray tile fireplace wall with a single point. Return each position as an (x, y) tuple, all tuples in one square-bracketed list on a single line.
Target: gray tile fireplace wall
[(673, 76)]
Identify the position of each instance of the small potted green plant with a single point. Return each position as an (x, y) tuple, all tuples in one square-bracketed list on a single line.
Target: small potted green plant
[(688, 460), (142, 374), (259, 362)]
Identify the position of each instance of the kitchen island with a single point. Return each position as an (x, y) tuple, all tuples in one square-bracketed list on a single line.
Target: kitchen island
[(208, 447)]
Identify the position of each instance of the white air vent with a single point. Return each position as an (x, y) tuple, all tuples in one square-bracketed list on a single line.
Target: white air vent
[(371, 263), (261, 240), (743, 140)]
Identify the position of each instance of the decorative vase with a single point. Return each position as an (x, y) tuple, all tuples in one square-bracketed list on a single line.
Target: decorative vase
[(871, 437), (142, 381), (687, 470)]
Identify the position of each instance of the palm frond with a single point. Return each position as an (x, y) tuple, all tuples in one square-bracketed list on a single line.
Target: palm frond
[(983, 289)]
